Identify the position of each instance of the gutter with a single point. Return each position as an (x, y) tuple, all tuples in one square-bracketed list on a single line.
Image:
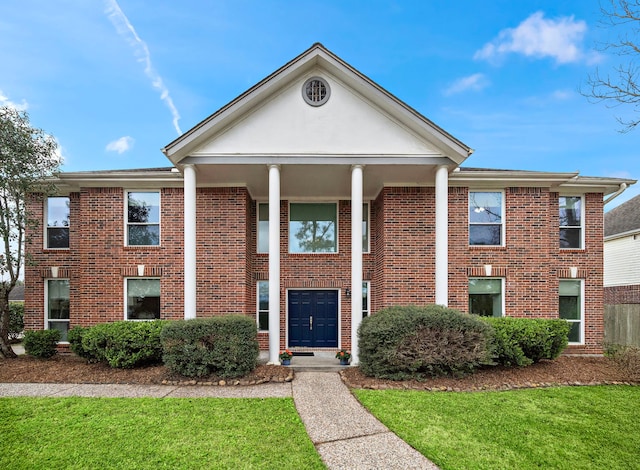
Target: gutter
[(620, 190)]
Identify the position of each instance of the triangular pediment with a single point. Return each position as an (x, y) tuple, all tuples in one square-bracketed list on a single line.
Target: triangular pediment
[(273, 120)]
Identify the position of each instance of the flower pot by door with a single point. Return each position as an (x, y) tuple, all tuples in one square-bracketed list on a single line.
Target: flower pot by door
[(344, 362), (286, 362)]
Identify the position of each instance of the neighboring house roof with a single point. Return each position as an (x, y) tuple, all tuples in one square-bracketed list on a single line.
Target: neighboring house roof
[(16, 294), (623, 219)]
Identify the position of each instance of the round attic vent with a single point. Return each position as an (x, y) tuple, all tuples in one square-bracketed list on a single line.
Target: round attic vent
[(316, 91)]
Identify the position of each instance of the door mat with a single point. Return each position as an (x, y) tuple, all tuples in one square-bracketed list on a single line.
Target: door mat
[(303, 353)]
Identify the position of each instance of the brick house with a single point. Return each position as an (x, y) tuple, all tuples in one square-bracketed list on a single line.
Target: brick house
[(622, 254), (314, 199)]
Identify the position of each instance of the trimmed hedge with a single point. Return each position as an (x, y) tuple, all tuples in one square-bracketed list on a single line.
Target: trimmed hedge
[(523, 341), (41, 343), (123, 344), (16, 320), (74, 336), (226, 346), (415, 342)]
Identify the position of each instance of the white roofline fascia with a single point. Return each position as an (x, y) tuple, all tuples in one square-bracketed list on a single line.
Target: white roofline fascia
[(628, 233)]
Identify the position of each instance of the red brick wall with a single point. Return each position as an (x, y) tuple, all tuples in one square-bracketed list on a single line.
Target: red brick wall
[(622, 295), (401, 266)]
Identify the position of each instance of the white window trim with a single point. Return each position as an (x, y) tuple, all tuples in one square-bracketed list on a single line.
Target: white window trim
[(126, 296), (502, 285), (503, 222), (46, 305), (337, 206), (258, 306), (45, 235), (582, 321), (126, 215), (582, 212)]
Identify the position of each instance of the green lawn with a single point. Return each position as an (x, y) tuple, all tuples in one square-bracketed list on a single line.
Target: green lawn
[(87, 433), (556, 428)]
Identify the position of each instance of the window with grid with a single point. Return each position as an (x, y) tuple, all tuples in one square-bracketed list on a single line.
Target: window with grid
[(485, 218)]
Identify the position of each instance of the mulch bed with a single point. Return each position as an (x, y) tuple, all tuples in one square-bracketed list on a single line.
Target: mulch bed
[(566, 370)]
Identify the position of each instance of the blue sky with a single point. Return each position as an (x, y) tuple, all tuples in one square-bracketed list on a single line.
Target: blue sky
[(115, 81)]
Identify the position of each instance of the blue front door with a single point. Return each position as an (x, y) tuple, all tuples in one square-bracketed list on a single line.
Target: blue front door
[(313, 318)]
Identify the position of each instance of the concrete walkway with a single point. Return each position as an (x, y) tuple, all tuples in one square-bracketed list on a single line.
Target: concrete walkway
[(344, 433)]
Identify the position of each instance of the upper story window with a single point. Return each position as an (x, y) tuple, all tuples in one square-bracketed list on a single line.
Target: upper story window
[(313, 228), (57, 222), (263, 227), (143, 218), (486, 224), (570, 221)]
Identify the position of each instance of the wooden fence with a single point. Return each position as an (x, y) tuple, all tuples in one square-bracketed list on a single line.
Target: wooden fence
[(622, 324)]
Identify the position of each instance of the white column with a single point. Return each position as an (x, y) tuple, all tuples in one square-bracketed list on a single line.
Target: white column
[(274, 263), (356, 258), (189, 242), (442, 236)]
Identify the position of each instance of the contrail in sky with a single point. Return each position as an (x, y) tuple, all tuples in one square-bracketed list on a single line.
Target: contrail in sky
[(125, 29)]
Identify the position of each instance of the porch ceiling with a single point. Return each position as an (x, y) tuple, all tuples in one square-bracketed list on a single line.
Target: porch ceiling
[(317, 181)]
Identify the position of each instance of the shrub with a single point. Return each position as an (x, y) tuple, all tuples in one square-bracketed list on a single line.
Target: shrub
[(523, 341), (226, 346), (41, 343), (123, 344), (414, 342), (626, 357), (74, 336), (16, 320)]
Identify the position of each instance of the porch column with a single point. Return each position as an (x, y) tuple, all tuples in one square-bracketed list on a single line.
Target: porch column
[(442, 236), (356, 258), (274, 264), (189, 242)]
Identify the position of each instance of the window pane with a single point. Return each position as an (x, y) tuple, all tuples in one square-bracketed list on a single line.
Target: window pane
[(62, 327), (57, 238), (485, 297), (485, 235), (144, 207), (485, 207), (365, 227), (58, 299), (263, 305), (365, 299), (143, 299), (574, 332), (144, 234), (570, 211), (263, 228), (569, 287), (58, 212), (312, 228), (570, 238), (569, 307)]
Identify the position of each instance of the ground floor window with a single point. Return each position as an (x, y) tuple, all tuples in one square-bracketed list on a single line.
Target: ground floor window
[(366, 302), (143, 299), (57, 306), (570, 307), (263, 306), (485, 297)]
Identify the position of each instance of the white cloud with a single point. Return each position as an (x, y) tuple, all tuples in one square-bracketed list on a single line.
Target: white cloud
[(126, 30), (5, 101), (538, 37), (475, 82), (120, 145)]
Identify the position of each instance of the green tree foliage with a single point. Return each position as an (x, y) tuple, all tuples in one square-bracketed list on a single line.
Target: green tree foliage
[(27, 161)]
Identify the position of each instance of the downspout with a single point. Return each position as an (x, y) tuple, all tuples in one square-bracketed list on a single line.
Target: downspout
[(620, 190)]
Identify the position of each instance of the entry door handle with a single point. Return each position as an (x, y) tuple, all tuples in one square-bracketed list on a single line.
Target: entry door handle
[(311, 322)]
